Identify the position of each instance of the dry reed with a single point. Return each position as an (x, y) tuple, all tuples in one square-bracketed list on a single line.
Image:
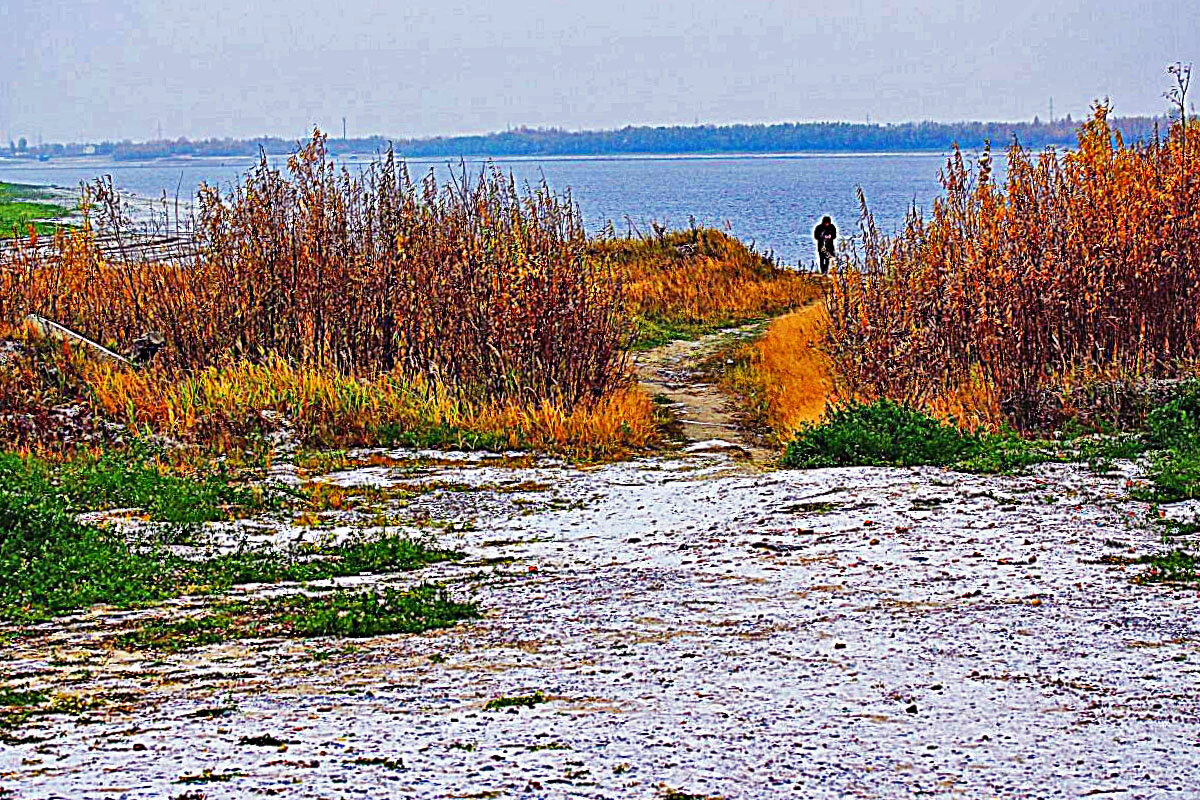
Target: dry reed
[(1083, 265), (475, 286)]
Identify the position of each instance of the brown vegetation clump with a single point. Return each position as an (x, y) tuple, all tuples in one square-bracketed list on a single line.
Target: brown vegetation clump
[(702, 277), (355, 309), (476, 286), (1082, 266)]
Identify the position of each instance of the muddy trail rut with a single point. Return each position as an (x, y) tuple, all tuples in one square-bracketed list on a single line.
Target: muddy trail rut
[(679, 373)]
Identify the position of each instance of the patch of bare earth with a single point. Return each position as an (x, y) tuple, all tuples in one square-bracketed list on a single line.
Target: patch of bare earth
[(707, 418)]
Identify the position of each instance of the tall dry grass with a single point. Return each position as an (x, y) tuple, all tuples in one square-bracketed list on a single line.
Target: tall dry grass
[(220, 405), (784, 378), (702, 277), (476, 285), (1083, 265)]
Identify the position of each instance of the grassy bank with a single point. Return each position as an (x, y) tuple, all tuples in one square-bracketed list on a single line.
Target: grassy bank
[(56, 564), (22, 206), (684, 284)]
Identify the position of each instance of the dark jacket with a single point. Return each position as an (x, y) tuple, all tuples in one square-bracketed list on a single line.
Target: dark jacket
[(825, 234)]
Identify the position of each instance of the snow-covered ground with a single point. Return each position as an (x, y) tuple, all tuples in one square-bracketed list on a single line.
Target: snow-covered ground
[(697, 626)]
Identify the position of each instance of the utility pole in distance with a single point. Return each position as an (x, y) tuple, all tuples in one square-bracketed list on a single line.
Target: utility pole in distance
[(343, 129)]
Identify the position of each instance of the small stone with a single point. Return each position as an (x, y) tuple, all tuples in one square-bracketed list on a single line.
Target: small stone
[(912, 709)]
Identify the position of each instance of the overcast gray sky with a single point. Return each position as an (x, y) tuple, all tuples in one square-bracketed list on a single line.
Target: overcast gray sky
[(121, 68)]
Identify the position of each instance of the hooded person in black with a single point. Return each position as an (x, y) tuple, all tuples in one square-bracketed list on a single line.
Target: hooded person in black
[(825, 234)]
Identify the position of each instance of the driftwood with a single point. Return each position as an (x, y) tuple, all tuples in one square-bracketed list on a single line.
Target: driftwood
[(52, 330), (122, 247)]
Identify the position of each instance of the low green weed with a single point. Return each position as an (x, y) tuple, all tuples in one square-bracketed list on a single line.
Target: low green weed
[(134, 479), (520, 701), (343, 614), (54, 564), (1174, 567), (890, 434), (886, 433)]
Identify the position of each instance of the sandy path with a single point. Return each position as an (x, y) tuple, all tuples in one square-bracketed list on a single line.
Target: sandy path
[(697, 627)]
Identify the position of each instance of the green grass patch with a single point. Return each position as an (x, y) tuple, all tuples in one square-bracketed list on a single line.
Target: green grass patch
[(889, 434), (382, 554), (1177, 567), (435, 437), (21, 205), (20, 698), (54, 564), (1173, 434), (520, 701), (658, 331), (136, 478), (343, 614), (1174, 475), (22, 191)]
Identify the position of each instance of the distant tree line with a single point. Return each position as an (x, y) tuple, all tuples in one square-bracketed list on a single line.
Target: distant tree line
[(679, 139)]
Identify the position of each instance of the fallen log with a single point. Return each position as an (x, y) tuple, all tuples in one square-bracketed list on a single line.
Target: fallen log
[(50, 329)]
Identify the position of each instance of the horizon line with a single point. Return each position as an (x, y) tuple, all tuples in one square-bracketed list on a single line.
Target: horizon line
[(518, 129)]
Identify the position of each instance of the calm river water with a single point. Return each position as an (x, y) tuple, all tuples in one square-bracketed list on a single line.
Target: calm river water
[(773, 201)]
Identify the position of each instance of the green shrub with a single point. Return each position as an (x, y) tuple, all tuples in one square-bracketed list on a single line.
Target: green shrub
[(53, 564), (370, 613), (1177, 422), (880, 434), (1173, 431)]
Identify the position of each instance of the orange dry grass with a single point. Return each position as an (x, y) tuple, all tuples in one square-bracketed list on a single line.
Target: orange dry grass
[(704, 276), (706, 290), (620, 422), (792, 381), (973, 404), (785, 375), (222, 405)]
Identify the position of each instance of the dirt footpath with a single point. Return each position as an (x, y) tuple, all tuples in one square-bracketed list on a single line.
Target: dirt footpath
[(694, 628), (706, 418)]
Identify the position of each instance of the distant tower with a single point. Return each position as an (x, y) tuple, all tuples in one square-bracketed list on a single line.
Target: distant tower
[(343, 129), (1052, 109)]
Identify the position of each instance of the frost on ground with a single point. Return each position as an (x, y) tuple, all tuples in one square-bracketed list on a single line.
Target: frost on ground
[(693, 627)]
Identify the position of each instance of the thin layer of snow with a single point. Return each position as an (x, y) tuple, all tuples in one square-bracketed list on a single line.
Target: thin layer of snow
[(832, 633)]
